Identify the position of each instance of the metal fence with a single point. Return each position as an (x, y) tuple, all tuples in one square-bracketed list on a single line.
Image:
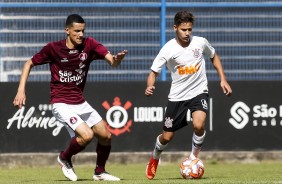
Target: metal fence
[(247, 35)]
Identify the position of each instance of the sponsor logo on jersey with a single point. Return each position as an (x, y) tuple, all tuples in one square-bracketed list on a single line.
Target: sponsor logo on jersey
[(73, 51), (188, 70), (64, 60), (68, 76), (174, 57)]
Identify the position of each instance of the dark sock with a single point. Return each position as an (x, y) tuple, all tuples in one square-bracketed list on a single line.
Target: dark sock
[(103, 153), (73, 149)]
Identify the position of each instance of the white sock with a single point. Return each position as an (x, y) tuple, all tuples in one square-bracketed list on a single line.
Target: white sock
[(197, 142), (158, 149)]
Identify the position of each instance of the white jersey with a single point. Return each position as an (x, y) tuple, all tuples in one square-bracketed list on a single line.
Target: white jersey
[(187, 67)]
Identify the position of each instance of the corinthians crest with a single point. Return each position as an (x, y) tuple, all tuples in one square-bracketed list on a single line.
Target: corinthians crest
[(196, 53), (117, 116), (168, 122)]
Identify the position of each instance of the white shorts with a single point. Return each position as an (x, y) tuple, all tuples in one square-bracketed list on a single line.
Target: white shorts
[(73, 115)]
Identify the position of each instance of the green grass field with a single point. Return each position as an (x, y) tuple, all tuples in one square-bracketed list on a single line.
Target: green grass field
[(215, 173)]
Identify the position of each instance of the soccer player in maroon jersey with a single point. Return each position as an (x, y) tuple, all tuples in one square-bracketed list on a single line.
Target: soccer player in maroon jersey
[(69, 61)]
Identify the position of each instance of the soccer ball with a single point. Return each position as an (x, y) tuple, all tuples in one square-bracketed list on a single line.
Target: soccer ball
[(192, 169)]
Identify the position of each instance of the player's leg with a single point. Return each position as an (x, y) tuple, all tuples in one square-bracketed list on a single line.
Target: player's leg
[(84, 136), (199, 107), (175, 118), (160, 145), (77, 144), (75, 126), (103, 150), (199, 118), (99, 130)]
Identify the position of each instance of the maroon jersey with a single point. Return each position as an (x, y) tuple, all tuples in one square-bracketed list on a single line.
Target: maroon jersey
[(69, 68)]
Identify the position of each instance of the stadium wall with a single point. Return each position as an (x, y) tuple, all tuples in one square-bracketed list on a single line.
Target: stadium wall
[(242, 128), (246, 34), (249, 120)]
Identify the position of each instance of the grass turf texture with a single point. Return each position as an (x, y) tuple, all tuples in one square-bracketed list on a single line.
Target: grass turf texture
[(219, 173)]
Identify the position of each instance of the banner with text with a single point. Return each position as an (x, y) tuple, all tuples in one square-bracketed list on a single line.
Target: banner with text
[(250, 119)]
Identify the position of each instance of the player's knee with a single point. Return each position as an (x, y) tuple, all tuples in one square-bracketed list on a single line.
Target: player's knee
[(166, 139), (106, 139), (87, 137), (199, 127), (199, 130)]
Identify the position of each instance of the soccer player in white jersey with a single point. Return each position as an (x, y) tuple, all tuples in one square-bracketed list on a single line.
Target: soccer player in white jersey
[(184, 58), (69, 61)]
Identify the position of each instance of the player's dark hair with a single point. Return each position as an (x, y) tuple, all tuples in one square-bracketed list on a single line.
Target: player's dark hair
[(182, 17), (73, 18)]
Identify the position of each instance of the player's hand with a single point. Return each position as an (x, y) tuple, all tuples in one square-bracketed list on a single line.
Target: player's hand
[(226, 88), (119, 56), (149, 90), (19, 100)]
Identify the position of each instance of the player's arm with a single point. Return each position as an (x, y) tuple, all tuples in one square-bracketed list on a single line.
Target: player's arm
[(150, 83), (115, 60), (223, 82), (20, 98)]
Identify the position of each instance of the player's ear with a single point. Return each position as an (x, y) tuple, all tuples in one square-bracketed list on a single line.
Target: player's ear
[(67, 30), (174, 27)]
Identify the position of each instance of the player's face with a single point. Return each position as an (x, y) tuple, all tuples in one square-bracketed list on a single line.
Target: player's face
[(183, 32), (75, 34)]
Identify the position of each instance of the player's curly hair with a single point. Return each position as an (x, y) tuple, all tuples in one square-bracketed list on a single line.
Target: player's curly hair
[(73, 18), (182, 17)]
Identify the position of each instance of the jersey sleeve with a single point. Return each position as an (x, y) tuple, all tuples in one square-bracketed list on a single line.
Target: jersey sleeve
[(160, 59), (208, 49), (100, 50), (42, 57)]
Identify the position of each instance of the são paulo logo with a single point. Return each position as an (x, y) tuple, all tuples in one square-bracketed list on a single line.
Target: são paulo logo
[(117, 116), (259, 115), (239, 112)]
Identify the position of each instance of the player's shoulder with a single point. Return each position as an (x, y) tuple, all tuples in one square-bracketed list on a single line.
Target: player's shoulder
[(58, 43), (54, 46), (90, 39), (199, 38), (170, 44)]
